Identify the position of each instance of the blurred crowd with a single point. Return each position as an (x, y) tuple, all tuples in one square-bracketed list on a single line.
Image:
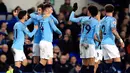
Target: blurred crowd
[(66, 50)]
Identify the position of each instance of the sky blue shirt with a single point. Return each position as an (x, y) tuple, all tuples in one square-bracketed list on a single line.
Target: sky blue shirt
[(88, 25), (97, 33), (107, 23), (37, 36), (47, 27), (19, 35)]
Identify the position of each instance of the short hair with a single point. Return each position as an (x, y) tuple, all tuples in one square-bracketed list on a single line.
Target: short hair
[(40, 6), (46, 6), (22, 14), (84, 8), (109, 8), (93, 10)]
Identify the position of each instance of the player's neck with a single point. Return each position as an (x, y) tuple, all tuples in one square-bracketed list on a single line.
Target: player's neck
[(109, 14), (46, 15), (22, 20)]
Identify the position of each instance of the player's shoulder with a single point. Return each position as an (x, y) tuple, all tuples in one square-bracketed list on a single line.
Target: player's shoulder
[(18, 24), (111, 18), (85, 18)]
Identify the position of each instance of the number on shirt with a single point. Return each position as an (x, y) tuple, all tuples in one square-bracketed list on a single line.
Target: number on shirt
[(87, 27), (41, 27), (104, 28), (16, 32)]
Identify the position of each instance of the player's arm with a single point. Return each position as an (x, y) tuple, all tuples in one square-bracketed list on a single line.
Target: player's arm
[(96, 33), (54, 19), (35, 16), (73, 19), (114, 31), (28, 22), (53, 26), (30, 34), (100, 34), (35, 22)]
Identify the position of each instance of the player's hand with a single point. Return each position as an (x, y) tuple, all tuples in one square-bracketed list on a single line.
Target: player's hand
[(36, 26), (60, 36), (15, 13), (75, 7), (122, 45)]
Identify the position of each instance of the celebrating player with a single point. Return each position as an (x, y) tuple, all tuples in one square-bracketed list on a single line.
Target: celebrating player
[(87, 45), (110, 50), (19, 30), (46, 26)]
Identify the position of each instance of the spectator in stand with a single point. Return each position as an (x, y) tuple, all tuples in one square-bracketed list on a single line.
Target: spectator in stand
[(84, 12), (2, 39), (13, 20), (102, 13), (57, 51), (68, 31), (18, 9), (3, 65), (125, 25), (3, 28), (73, 61), (57, 55), (61, 17), (3, 8), (66, 44), (76, 69), (8, 53), (66, 8), (67, 57), (62, 66)]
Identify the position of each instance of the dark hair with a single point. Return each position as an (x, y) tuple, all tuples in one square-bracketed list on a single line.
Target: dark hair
[(17, 8), (84, 8), (93, 10), (46, 6), (31, 10), (78, 65), (109, 8), (22, 14), (40, 6)]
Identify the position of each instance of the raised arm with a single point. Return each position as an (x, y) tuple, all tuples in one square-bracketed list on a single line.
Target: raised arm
[(73, 19)]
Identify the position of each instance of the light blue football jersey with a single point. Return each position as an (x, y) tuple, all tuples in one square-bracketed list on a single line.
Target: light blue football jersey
[(19, 35), (88, 25), (107, 23)]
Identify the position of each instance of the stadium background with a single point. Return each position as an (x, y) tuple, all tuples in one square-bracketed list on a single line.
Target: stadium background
[(70, 41)]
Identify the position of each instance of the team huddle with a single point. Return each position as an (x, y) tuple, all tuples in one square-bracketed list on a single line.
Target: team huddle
[(97, 39)]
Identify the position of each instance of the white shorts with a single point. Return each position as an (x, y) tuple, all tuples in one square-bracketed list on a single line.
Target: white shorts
[(99, 55), (46, 50), (19, 55), (87, 52), (36, 50), (110, 52)]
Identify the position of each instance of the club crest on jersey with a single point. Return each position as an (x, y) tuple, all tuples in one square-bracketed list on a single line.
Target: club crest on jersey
[(114, 22)]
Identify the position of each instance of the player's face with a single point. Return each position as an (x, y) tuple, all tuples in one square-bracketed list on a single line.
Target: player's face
[(26, 17), (39, 10), (88, 13), (49, 10)]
